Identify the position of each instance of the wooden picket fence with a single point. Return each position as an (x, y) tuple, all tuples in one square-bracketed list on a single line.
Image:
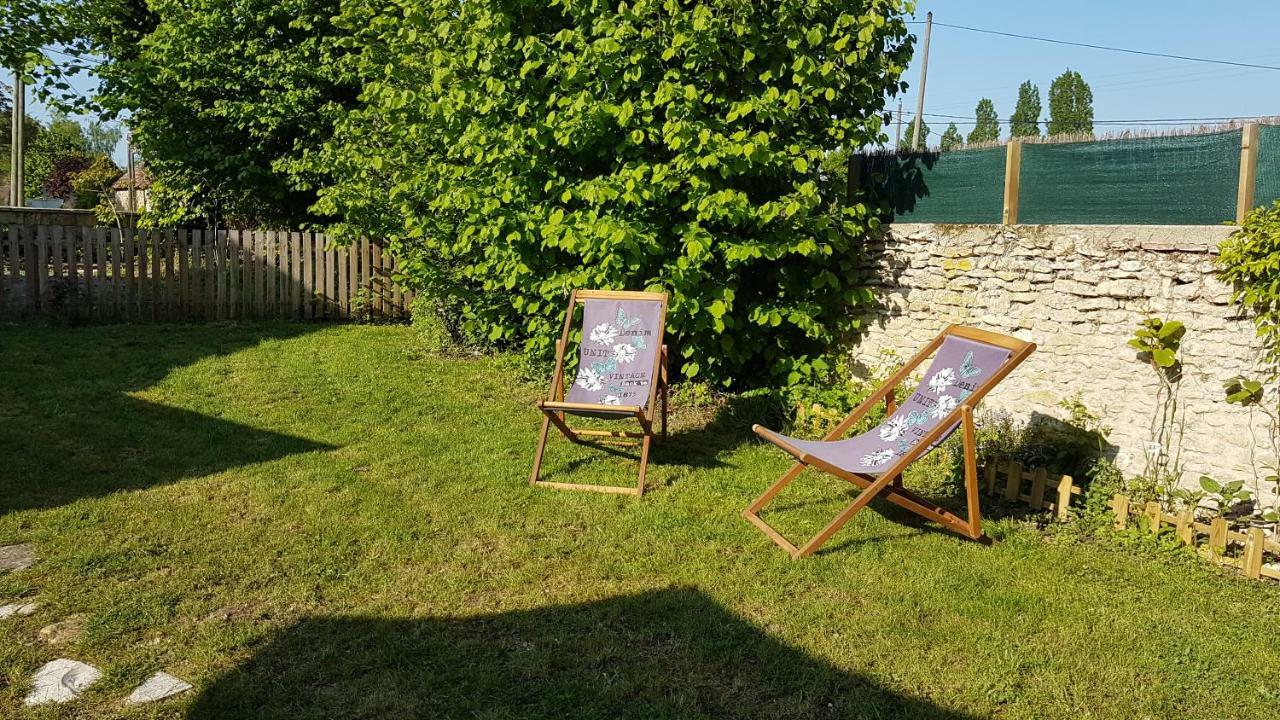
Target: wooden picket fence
[(175, 274), (1220, 542), (1044, 491)]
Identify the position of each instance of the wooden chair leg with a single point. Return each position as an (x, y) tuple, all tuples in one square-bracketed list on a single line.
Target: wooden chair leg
[(542, 445), (644, 463), (971, 473)]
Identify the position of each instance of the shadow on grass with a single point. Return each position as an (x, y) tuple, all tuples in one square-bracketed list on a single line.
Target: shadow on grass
[(664, 654), (71, 429)]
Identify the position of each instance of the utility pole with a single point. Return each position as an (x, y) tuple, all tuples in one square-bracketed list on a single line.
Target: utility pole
[(897, 140), (924, 75), (133, 193), (16, 149)]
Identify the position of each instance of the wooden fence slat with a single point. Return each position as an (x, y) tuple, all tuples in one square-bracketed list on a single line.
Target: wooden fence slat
[(1184, 529), (71, 286), (41, 271), (168, 243), (158, 301), (55, 260), (1218, 536), (15, 257), (1254, 545), (1152, 513), (105, 307), (1039, 479), (1063, 508), (379, 304), (132, 287), (295, 275), (182, 248), (344, 281), (331, 279), (87, 266), (1120, 506), (322, 276), (259, 275), (1013, 481), (200, 261), (220, 274), (5, 240), (235, 245), (273, 297)]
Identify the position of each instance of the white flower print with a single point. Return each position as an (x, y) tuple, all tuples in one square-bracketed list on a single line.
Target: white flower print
[(893, 429), (946, 404), (879, 457), (611, 400), (589, 380), (942, 380), (624, 352), (604, 334)]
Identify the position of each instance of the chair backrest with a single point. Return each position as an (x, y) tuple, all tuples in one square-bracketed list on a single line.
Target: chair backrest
[(618, 357), (961, 368)]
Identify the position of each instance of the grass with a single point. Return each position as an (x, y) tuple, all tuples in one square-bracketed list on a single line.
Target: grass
[(319, 522)]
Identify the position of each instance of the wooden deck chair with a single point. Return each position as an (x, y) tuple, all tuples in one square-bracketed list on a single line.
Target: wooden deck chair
[(969, 363), (621, 375)]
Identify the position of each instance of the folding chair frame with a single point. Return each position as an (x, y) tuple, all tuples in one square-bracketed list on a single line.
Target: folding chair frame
[(890, 482), (555, 408)]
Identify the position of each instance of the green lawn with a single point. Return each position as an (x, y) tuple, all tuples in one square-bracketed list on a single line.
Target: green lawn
[(321, 522)]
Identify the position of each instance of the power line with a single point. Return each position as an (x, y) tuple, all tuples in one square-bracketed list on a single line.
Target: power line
[(1131, 121), (1131, 51)]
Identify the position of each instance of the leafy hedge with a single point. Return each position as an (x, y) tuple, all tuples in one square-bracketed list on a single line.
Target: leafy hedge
[(515, 149), (1249, 261)]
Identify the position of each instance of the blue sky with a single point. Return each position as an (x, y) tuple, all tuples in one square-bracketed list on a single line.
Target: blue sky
[(965, 66)]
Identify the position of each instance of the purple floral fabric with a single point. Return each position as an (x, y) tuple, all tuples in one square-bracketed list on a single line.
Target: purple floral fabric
[(620, 339), (958, 369)]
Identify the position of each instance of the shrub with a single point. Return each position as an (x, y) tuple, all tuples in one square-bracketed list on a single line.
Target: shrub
[(1249, 261), (515, 149)]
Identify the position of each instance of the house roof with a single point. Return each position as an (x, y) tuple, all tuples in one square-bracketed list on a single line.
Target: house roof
[(142, 179)]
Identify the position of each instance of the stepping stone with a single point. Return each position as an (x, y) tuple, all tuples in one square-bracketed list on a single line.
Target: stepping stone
[(17, 610), (17, 557), (60, 681), (157, 687), (68, 630)]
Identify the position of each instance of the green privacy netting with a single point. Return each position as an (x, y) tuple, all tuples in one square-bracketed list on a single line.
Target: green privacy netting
[(1267, 190), (964, 186), (1174, 180)]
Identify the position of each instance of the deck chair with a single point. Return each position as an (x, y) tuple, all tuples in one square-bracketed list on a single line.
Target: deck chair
[(621, 375), (969, 363)]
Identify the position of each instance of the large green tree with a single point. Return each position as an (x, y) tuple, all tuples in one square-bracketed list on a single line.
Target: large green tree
[(59, 149), (1070, 105), (1025, 120), (225, 98), (515, 149), (987, 127), (951, 138)]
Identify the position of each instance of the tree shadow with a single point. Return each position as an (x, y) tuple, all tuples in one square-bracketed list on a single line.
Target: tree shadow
[(73, 430), (671, 653)]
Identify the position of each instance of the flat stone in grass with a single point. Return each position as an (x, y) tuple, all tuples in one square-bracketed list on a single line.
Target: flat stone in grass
[(157, 687), (60, 681), (67, 631), (17, 557), (17, 610)]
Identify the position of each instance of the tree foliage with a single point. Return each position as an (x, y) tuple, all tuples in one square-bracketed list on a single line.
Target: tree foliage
[(60, 146), (1249, 261), (909, 141), (987, 128), (1070, 105), (225, 97), (515, 149), (951, 138), (1025, 120)]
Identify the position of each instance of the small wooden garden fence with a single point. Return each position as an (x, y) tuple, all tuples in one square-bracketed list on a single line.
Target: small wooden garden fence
[(176, 274), (1043, 491), (1220, 540)]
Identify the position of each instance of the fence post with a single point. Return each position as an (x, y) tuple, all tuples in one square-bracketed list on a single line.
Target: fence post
[(1248, 171), (1120, 506), (1152, 513), (1218, 537), (1186, 533), (1013, 481), (1012, 181), (1254, 544), (1064, 497)]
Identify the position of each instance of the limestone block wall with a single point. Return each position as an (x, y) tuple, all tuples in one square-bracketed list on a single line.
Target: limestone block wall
[(1078, 292)]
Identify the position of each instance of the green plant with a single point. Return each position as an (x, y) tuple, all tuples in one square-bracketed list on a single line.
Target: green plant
[(513, 151), (1250, 393), (1225, 495), (1025, 120), (1158, 342), (1249, 261), (987, 127), (431, 334), (951, 139)]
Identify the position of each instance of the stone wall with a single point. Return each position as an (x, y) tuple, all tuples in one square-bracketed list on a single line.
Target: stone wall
[(1078, 292)]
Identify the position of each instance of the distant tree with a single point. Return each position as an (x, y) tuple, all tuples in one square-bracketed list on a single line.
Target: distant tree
[(988, 127), (951, 138), (1025, 120), (101, 138), (62, 138), (92, 186), (909, 135), (1070, 105), (58, 183)]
